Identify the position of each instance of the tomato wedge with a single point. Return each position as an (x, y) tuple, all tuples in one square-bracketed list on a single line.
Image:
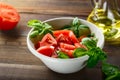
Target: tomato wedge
[(70, 35), (79, 45), (9, 17), (67, 46), (73, 37), (64, 39), (58, 32), (48, 40), (68, 52), (46, 50)]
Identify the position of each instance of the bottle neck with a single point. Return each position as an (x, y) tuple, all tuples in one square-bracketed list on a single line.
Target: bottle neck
[(112, 4), (112, 8)]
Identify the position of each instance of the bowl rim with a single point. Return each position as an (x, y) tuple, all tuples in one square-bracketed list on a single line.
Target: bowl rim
[(58, 18)]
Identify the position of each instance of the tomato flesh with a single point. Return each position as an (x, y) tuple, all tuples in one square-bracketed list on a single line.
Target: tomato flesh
[(68, 52), (70, 35), (9, 17), (64, 39), (58, 32), (46, 50), (73, 37), (67, 46), (48, 40)]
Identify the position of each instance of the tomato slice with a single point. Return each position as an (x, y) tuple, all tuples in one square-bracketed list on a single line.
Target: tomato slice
[(67, 46), (79, 45), (68, 52), (64, 39), (73, 37), (58, 32), (9, 17), (46, 50), (48, 40), (70, 35)]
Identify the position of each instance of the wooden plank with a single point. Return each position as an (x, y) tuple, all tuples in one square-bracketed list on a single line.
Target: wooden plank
[(38, 72), (61, 7)]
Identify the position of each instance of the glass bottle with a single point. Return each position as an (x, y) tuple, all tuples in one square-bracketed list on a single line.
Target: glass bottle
[(106, 16)]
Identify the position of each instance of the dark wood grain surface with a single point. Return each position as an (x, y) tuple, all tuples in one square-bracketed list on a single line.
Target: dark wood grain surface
[(16, 61)]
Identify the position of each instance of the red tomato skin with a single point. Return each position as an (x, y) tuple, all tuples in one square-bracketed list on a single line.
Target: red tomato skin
[(48, 40), (7, 25), (73, 37), (68, 33), (68, 52), (58, 32), (9, 17), (67, 46), (46, 50), (68, 49), (64, 39), (79, 45)]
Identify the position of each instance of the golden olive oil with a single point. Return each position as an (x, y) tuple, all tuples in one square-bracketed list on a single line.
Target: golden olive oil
[(108, 20)]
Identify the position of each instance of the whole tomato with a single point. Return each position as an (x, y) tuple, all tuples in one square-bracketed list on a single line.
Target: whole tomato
[(9, 17)]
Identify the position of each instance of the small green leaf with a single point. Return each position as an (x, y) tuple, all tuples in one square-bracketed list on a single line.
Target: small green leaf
[(34, 34), (62, 55), (76, 21), (34, 23), (89, 43), (109, 69), (47, 26), (79, 52)]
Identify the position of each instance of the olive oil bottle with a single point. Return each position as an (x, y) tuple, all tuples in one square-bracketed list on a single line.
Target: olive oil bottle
[(106, 16)]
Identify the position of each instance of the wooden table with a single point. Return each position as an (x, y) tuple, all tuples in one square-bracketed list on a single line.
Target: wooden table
[(16, 61)]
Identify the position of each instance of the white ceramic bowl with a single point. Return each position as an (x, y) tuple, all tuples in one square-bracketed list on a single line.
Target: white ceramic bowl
[(65, 65)]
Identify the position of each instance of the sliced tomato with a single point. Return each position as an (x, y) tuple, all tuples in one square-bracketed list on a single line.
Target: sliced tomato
[(73, 37), (9, 16), (67, 46), (58, 32), (46, 50), (68, 33), (64, 39), (79, 45), (48, 40), (68, 52)]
